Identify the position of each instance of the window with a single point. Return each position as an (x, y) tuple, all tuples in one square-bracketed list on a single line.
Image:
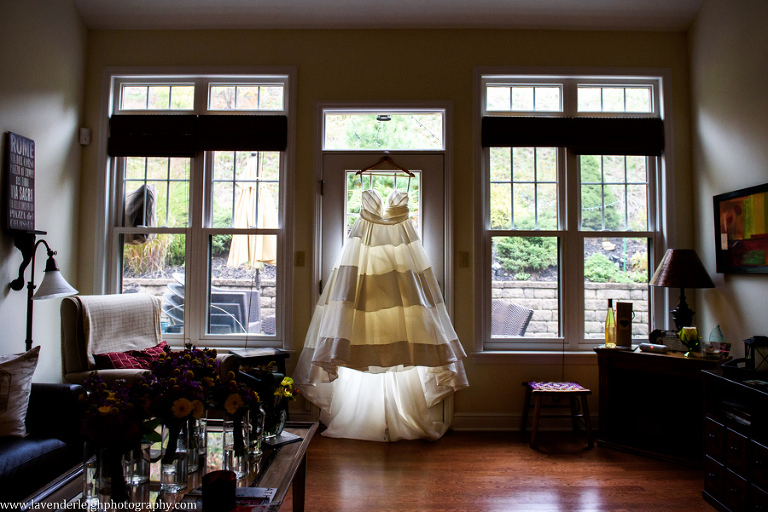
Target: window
[(198, 214), (570, 171)]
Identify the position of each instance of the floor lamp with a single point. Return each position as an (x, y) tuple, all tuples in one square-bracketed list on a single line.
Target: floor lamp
[(53, 285)]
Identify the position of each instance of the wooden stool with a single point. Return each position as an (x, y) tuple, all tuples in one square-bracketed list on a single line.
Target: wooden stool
[(572, 390)]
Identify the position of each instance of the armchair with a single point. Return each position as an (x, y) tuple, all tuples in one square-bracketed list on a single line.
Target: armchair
[(98, 324)]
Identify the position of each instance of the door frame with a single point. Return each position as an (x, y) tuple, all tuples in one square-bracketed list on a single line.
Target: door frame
[(447, 152)]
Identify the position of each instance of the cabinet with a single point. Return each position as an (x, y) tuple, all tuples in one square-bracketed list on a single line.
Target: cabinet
[(652, 404), (735, 445)]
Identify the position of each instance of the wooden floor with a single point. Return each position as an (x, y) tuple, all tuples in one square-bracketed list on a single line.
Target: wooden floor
[(493, 472)]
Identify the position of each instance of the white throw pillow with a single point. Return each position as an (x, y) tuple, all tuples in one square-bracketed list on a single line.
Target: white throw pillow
[(16, 372)]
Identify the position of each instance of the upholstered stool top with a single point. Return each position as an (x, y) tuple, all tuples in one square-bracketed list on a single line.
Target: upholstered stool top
[(557, 386)]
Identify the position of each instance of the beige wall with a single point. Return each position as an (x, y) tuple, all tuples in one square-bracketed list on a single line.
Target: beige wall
[(729, 79), (42, 58), (392, 65)]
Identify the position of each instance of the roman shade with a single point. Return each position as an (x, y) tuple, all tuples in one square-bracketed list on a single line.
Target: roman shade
[(184, 135), (583, 135)]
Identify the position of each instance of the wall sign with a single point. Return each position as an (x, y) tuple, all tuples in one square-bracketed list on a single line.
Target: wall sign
[(20, 182)]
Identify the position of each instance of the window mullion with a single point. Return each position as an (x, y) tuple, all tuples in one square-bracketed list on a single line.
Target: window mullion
[(572, 254)]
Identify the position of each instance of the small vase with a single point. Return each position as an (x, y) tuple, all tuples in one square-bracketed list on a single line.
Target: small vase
[(90, 480), (236, 443), (103, 477), (136, 464), (199, 443), (274, 422), (257, 431), (175, 458)]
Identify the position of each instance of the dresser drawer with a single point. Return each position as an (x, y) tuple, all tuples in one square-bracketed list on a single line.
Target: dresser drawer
[(714, 477), (735, 492), (736, 452), (714, 438), (758, 464), (758, 499)]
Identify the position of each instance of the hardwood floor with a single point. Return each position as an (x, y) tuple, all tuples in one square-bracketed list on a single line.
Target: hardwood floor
[(493, 472)]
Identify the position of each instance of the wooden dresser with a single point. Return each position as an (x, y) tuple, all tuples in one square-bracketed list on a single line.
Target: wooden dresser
[(735, 445), (652, 404)]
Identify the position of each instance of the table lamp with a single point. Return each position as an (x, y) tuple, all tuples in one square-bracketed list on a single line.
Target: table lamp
[(681, 268), (53, 285)]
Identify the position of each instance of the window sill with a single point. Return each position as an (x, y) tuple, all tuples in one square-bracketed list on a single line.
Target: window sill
[(535, 357)]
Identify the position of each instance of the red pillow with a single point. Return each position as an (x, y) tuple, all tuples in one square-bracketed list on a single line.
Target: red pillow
[(131, 360), (120, 361), (151, 353)]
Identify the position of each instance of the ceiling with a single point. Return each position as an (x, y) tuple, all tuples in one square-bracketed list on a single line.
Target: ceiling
[(665, 15)]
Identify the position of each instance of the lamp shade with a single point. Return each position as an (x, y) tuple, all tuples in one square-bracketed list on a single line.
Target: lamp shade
[(54, 285), (681, 268)]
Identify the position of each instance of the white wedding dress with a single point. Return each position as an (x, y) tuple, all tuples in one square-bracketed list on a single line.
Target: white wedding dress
[(381, 350)]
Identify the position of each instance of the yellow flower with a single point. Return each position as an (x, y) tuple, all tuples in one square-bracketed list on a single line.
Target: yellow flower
[(181, 408), (105, 409), (189, 374), (208, 382), (287, 381), (233, 403), (197, 409)]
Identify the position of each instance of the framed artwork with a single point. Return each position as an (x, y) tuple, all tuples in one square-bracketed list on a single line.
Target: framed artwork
[(741, 231)]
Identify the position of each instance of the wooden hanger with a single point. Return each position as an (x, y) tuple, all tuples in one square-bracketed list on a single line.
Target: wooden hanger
[(385, 160)]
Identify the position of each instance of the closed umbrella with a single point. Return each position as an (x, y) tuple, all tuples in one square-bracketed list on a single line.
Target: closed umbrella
[(248, 250)]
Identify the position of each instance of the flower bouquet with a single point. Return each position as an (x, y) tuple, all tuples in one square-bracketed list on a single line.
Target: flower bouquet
[(115, 420), (178, 388)]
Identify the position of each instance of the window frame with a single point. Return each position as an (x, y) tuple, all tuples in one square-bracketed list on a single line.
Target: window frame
[(571, 341), (198, 229)]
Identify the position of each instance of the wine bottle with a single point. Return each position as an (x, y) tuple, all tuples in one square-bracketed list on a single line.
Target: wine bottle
[(610, 326)]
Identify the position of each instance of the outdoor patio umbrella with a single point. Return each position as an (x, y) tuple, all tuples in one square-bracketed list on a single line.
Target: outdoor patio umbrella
[(249, 250)]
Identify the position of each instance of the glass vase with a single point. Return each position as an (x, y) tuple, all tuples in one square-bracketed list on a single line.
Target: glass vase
[(103, 477), (136, 464), (257, 431), (274, 422), (236, 443), (175, 458), (199, 443)]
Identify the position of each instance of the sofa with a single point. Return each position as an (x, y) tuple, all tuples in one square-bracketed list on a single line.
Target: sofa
[(52, 446)]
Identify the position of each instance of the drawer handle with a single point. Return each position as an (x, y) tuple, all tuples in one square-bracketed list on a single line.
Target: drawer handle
[(711, 475), (735, 491), (734, 448)]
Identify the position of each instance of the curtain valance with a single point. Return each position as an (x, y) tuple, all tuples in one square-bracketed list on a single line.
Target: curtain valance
[(185, 134), (583, 135)]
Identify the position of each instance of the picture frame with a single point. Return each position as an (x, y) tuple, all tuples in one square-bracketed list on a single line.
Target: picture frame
[(741, 231)]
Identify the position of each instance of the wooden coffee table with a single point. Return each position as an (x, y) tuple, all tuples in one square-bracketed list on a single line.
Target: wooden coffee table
[(277, 469)]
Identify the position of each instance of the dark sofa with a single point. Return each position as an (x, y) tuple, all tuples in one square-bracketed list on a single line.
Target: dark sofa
[(51, 447)]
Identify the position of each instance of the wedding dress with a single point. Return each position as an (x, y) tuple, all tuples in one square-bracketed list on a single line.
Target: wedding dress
[(380, 349)]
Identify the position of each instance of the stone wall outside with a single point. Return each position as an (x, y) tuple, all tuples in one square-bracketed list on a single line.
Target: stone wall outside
[(541, 297)]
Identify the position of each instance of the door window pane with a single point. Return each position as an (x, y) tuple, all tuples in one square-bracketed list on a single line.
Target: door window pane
[(525, 287), (399, 131), (615, 268), (383, 182)]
